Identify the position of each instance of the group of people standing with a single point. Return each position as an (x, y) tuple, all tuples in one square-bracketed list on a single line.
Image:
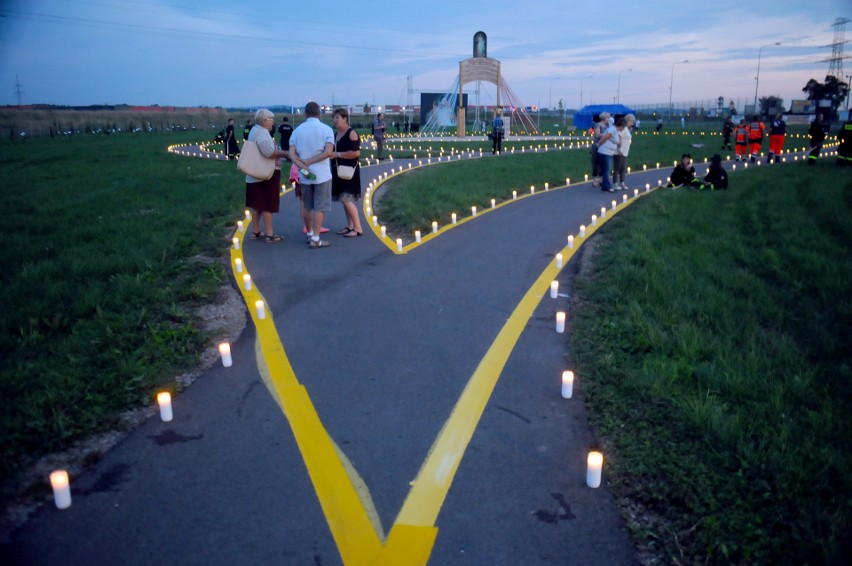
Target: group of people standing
[(326, 169), (748, 138), (609, 151)]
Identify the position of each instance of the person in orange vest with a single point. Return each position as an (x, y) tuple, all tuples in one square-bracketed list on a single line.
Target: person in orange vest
[(755, 129), (777, 130), (741, 140)]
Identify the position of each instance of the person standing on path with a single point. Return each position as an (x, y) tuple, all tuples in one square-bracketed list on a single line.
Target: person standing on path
[(379, 129), (777, 131), (497, 133), (607, 146), (817, 134), (246, 130), (311, 146), (597, 132), (347, 191), (625, 138), (285, 130), (263, 195)]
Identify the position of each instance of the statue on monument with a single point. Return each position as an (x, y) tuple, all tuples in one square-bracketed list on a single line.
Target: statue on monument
[(480, 44)]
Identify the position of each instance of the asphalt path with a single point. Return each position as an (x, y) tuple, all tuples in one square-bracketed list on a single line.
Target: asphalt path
[(384, 345)]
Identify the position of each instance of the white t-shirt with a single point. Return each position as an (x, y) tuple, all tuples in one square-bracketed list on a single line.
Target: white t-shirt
[(625, 139)]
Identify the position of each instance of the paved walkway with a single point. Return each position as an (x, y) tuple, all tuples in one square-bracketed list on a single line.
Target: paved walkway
[(363, 420)]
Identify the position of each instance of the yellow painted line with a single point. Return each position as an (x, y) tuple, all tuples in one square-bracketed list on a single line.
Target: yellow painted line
[(343, 496)]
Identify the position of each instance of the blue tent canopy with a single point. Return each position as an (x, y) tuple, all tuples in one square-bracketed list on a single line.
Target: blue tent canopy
[(586, 116)]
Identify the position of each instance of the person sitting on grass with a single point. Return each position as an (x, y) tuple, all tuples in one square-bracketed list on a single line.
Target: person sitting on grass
[(717, 177), (684, 173)]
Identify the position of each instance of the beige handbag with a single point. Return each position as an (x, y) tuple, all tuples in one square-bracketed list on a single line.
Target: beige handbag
[(253, 163), (345, 172)]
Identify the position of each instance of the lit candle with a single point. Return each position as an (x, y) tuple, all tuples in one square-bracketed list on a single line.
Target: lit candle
[(547, 186), (560, 322), (571, 241), (567, 181), (635, 193), (453, 217), (434, 227), (417, 236), (594, 465), (594, 219), (532, 189), (554, 289), (61, 489), (644, 167), (261, 309), (603, 212), (384, 231), (582, 230), (375, 220), (399, 244), (473, 211), (586, 176), (239, 265), (659, 182), (247, 282), (164, 400), (567, 384), (225, 353), (614, 205), (493, 203), (514, 195), (236, 243), (248, 214), (559, 261), (240, 225)]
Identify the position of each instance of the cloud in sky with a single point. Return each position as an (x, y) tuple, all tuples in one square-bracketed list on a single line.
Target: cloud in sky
[(222, 53)]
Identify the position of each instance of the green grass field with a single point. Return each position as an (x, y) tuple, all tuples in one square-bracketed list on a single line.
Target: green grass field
[(710, 336)]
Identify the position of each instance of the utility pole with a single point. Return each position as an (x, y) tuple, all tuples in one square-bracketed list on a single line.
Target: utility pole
[(19, 91)]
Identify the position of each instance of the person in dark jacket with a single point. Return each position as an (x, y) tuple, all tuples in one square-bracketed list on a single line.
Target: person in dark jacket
[(684, 173), (777, 130), (727, 130), (717, 177), (285, 130), (231, 147), (817, 134), (246, 129), (844, 150)]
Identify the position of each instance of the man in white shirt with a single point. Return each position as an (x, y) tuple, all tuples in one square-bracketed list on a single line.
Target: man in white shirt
[(311, 146)]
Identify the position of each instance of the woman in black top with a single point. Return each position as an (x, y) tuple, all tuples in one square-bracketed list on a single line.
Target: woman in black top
[(347, 149)]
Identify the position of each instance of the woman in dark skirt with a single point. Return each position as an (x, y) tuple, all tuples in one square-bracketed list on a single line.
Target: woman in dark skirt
[(263, 196), (347, 149)]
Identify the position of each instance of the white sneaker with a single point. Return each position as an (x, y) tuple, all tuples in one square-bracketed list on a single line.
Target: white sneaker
[(624, 187)]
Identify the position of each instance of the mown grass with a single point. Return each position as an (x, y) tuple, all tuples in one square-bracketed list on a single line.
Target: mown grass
[(111, 243), (712, 337)]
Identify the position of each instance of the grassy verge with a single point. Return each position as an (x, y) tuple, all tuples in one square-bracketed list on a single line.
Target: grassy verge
[(112, 243), (712, 336)]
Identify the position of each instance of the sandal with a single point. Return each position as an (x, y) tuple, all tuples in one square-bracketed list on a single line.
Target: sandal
[(273, 238), (353, 234), (345, 231), (256, 236)]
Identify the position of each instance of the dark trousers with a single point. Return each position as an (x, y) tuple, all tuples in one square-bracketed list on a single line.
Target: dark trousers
[(496, 143)]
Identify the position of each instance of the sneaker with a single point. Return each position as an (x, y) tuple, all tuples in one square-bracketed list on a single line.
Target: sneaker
[(313, 244), (596, 183), (624, 187)]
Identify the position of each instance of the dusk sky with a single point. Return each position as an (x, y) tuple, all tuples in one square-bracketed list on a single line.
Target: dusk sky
[(264, 53)]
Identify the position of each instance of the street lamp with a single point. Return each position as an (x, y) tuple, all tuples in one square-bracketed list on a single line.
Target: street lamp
[(671, 84), (581, 88), (618, 90), (550, 93), (757, 76)]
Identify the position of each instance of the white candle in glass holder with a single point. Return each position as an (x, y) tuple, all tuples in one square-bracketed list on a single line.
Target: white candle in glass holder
[(514, 195), (567, 181), (623, 198), (567, 384), (594, 467), (247, 282), (635, 192), (399, 244), (453, 217), (603, 212), (594, 220), (61, 489), (560, 322), (238, 264), (164, 400), (571, 241), (375, 220), (417, 236), (582, 230), (473, 211), (248, 214), (532, 189), (384, 231), (559, 261), (493, 203), (614, 204), (547, 186), (554, 289), (225, 353), (434, 227), (236, 243), (240, 225), (261, 309)]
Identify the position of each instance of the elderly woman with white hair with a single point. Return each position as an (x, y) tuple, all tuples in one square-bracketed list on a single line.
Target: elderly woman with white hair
[(263, 196)]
